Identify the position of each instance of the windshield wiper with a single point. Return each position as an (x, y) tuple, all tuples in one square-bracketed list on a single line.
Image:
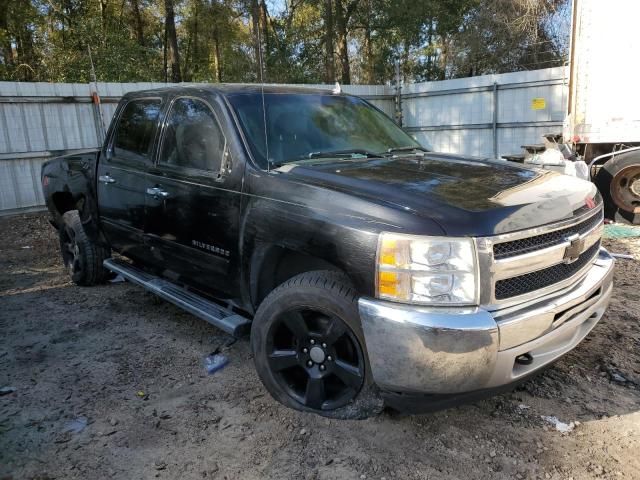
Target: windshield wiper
[(408, 148), (352, 153)]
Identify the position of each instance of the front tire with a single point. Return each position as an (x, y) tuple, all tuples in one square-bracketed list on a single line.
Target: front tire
[(309, 349), (82, 257)]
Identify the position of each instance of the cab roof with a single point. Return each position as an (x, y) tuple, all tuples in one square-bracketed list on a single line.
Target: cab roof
[(228, 89)]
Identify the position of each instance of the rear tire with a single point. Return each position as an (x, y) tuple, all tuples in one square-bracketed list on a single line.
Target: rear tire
[(309, 349), (619, 183), (82, 257)]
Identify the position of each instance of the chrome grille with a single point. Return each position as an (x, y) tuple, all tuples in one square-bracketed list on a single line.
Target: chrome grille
[(530, 282), (529, 264), (538, 242)]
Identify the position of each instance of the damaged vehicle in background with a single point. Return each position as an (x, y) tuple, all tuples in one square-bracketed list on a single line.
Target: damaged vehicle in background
[(601, 133), (367, 270)]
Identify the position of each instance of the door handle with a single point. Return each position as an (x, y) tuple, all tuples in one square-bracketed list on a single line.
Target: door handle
[(106, 179), (157, 192)]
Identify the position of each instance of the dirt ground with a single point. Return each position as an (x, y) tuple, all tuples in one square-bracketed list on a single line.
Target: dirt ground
[(109, 383)]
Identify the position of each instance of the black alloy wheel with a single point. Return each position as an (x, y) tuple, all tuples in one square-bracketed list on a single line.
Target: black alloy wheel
[(315, 358)]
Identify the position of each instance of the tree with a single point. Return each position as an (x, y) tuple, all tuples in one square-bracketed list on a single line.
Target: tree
[(171, 42), (306, 41), (344, 10), (6, 49), (507, 35), (329, 52), (138, 23)]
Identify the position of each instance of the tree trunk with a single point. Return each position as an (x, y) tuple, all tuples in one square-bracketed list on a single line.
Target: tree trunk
[(264, 28), (187, 58), (164, 54), (405, 61), (103, 17), (173, 56), (342, 14), (6, 51), (343, 47), (329, 60), (137, 22), (444, 58), (343, 53), (216, 53), (195, 61), (257, 38), (368, 48)]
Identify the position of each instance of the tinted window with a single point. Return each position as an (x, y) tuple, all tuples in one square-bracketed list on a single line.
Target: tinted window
[(192, 137), (136, 128)]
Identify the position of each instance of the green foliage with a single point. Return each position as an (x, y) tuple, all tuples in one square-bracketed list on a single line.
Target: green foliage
[(295, 48), (214, 42), (48, 40)]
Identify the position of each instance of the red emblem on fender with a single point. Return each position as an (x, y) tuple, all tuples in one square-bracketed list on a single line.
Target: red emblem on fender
[(589, 202)]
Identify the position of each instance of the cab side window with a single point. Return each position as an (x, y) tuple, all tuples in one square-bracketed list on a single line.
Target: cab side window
[(136, 129), (193, 138)]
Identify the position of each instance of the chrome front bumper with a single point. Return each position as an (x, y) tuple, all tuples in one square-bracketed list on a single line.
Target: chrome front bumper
[(438, 350)]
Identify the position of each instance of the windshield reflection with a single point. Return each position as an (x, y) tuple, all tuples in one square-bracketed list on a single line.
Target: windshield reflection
[(311, 125)]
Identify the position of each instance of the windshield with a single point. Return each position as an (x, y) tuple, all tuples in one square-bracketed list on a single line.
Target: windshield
[(303, 126)]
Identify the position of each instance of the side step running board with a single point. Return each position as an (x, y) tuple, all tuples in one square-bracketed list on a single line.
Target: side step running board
[(215, 314)]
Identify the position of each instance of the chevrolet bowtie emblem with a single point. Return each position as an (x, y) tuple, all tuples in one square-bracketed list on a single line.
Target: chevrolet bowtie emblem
[(573, 251)]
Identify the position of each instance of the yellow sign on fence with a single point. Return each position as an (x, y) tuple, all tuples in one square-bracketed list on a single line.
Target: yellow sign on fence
[(538, 104)]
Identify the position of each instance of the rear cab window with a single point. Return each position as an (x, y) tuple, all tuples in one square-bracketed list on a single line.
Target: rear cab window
[(135, 132)]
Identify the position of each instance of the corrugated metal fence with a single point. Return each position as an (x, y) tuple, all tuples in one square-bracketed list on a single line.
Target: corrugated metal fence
[(477, 116), (491, 115)]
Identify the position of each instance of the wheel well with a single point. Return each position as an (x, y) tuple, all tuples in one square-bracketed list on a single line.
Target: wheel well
[(280, 265), (63, 201)]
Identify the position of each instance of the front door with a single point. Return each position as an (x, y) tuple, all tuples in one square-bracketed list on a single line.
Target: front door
[(193, 202), (122, 175)]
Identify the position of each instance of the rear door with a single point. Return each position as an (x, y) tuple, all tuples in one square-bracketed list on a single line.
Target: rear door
[(122, 175), (194, 200)]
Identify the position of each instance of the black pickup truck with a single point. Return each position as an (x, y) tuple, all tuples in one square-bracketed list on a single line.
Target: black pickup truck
[(368, 270)]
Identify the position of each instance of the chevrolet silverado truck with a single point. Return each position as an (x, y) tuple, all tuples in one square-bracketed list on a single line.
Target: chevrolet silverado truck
[(368, 270)]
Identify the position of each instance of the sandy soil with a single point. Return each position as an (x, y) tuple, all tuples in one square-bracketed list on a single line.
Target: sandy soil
[(131, 367)]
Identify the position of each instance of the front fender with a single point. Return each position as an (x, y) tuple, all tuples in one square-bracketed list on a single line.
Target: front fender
[(337, 228)]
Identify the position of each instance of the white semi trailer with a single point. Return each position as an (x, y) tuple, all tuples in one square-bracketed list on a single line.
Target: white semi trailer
[(602, 126)]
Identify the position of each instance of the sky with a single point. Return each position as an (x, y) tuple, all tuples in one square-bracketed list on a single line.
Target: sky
[(276, 6)]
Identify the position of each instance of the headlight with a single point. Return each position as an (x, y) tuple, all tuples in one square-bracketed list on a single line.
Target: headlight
[(427, 270)]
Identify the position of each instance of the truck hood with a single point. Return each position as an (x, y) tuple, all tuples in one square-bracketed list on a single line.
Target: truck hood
[(466, 196)]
